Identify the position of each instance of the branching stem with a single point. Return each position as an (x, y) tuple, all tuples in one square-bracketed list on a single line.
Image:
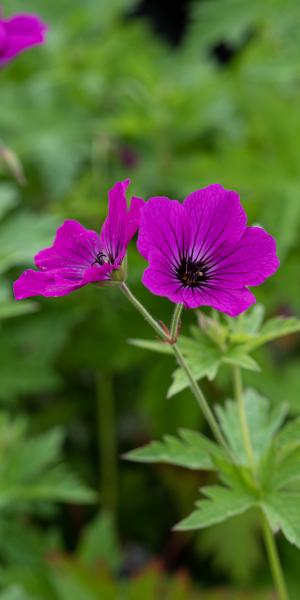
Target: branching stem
[(274, 560), (197, 392)]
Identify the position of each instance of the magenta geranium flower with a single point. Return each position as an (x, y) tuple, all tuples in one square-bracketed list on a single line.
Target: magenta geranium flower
[(202, 253), (80, 256), (19, 33)]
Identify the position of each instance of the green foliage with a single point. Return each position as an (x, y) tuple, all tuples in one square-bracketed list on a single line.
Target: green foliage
[(31, 468), (263, 423), (15, 592), (191, 450), (104, 99), (222, 503), (282, 511), (242, 556), (32, 345), (214, 344), (277, 456), (99, 542)]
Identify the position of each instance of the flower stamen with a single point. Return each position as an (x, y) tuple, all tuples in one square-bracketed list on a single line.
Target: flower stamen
[(101, 259), (191, 273)]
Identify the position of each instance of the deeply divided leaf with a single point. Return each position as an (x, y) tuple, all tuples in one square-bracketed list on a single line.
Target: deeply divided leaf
[(221, 504), (282, 512), (263, 422), (191, 450)]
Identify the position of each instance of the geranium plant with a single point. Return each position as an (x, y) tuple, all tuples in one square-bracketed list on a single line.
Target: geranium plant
[(199, 253)]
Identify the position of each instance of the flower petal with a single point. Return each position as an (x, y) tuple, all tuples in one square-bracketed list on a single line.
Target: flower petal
[(231, 302), (164, 229), (97, 273), (250, 263), (22, 32), (43, 283), (217, 219), (159, 278), (59, 282), (113, 232), (133, 218), (74, 247)]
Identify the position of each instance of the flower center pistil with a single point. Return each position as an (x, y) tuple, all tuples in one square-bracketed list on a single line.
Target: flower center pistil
[(191, 273)]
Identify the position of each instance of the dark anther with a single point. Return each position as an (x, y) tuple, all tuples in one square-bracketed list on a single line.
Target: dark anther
[(100, 259), (191, 273)]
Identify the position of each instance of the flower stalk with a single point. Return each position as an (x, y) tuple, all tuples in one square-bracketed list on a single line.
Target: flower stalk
[(175, 323), (197, 392), (274, 560), (167, 337), (238, 387)]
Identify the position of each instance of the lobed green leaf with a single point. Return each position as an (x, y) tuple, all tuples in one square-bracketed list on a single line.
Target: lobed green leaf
[(221, 504), (191, 450)]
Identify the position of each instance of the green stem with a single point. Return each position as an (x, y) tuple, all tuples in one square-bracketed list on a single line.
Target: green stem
[(137, 304), (269, 540), (274, 560), (108, 455), (175, 321), (181, 361), (200, 399), (238, 386)]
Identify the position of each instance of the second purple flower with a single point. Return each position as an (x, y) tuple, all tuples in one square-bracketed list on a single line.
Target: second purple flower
[(80, 256)]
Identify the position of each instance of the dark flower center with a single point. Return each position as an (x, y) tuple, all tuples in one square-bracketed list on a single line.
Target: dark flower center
[(191, 273), (101, 259)]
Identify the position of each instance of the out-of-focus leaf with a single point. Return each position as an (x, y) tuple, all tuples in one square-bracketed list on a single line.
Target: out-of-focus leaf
[(9, 198), (22, 236), (237, 356), (273, 329), (99, 542), (32, 345), (31, 468), (14, 309), (16, 592)]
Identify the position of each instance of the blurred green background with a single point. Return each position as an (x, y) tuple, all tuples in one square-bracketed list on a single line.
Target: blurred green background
[(174, 97)]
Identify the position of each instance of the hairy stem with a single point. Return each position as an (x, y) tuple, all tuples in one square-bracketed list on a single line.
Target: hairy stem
[(200, 398), (274, 561), (182, 363), (238, 386), (176, 321)]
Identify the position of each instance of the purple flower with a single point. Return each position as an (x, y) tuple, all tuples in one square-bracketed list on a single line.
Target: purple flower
[(80, 256), (201, 253), (19, 33)]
